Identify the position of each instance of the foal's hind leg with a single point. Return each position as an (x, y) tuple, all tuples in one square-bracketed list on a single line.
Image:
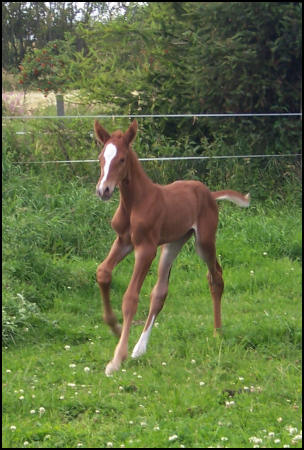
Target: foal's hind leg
[(121, 247), (205, 245), (159, 292)]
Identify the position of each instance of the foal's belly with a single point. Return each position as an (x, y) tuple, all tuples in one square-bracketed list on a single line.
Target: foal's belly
[(180, 211)]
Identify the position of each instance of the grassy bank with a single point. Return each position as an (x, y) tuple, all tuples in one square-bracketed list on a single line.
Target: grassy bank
[(191, 390)]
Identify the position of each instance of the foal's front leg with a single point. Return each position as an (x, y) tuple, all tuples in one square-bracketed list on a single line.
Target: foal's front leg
[(121, 247), (144, 255)]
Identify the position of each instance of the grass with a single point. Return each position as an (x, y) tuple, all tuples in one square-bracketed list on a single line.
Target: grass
[(189, 390)]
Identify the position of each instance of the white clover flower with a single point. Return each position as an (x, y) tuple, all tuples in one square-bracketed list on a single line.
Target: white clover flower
[(164, 363), (255, 440), (202, 383), (277, 441), (32, 411), (41, 410), (156, 428), (72, 366), (87, 369), (67, 347), (25, 443), (8, 371), (21, 397), (297, 438), (228, 404), (291, 430), (109, 444), (173, 437), (12, 428)]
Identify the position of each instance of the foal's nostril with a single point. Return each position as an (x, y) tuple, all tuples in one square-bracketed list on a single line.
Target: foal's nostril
[(107, 190)]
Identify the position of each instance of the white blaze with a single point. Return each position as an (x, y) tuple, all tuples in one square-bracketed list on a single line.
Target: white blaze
[(109, 154)]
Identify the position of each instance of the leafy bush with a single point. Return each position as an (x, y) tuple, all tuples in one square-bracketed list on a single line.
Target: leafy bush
[(42, 69), (17, 314)]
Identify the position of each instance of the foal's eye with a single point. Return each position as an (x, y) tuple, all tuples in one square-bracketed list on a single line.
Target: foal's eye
[(122, 160)]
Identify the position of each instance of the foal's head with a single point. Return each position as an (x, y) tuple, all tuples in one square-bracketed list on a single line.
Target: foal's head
[(113, 158)]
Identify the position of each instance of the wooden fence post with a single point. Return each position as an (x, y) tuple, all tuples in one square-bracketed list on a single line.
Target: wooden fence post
[(60, 105)]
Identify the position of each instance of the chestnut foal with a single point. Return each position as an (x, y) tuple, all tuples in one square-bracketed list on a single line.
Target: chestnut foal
[(150, 215)]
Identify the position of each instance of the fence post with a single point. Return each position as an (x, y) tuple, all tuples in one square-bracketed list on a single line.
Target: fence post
[(60, 112), (60, 105)]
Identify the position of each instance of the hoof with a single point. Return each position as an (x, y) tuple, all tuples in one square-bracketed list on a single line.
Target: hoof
[(111, 367), (217, 332), (116, 329)]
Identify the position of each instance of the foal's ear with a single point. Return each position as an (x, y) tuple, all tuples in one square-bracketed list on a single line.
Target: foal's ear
[(131, 132), (101, 134)]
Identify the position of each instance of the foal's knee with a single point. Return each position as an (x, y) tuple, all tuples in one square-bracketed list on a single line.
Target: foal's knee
[(103, 275)]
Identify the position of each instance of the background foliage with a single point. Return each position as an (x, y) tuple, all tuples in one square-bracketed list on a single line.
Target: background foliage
[(169, 57), (139, 58)]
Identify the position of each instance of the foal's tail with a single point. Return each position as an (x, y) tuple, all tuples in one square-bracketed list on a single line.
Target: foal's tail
[(233, 196)]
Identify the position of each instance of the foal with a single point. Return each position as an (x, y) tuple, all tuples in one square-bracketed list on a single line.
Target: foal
[(150, 215)]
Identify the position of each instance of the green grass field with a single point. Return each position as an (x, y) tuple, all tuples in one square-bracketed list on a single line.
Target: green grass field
[(189, 390)]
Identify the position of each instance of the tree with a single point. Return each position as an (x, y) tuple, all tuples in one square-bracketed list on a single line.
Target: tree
[(25, 23), (43, 69), (194, 57)]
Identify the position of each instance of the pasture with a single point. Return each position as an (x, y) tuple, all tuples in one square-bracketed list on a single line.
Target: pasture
[(241, 390)]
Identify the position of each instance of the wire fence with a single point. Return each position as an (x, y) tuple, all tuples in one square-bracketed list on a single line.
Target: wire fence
[(140, 116), (165, 158)]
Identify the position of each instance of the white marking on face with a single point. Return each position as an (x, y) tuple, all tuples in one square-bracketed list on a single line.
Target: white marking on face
[(109, 155), (141, 346)]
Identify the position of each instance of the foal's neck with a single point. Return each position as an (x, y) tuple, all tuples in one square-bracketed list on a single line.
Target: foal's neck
[(137, 185)]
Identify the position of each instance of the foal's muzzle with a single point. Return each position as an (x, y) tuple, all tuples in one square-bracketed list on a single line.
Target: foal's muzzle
[(105, 193)]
